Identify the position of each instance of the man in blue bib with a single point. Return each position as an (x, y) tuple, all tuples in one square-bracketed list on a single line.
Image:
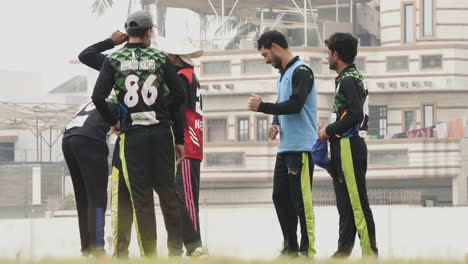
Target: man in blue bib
[(295, 114)]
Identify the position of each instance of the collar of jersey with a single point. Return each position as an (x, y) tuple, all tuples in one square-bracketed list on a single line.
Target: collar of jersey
[(135, 45), (349, 67)]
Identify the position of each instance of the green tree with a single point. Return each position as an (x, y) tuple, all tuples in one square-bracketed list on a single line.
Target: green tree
[(243, 27), (99, 7)]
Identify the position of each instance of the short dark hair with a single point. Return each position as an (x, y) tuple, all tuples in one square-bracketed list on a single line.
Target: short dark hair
[(137, 32), (268, 38), (344, 44)]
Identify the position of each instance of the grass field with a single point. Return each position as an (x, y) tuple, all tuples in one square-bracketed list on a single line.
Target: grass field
[(214, 260)]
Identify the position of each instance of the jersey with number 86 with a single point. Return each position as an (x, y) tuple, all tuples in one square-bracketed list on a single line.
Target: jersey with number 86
[(141, 86)]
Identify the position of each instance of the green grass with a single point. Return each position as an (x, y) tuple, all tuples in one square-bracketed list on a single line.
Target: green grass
[(216, 260)]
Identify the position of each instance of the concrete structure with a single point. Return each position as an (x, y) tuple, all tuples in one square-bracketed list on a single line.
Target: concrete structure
[(429, 22), (413, 85), (30, 189), (253, 233)]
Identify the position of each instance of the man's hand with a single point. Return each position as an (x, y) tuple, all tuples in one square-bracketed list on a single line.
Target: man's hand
[(115, 129), (322, 134), (254, 102), (273, 131), (180, 153), (118, 37)]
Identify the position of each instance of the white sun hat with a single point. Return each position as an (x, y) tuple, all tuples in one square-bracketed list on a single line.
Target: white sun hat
[(182, 47)]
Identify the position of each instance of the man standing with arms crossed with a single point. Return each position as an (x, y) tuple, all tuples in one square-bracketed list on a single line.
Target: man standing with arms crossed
[(149, 93), (295, 120), (348, 125)]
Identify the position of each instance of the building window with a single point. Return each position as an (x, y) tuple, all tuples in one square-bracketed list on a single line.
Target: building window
[(428, 115), (315, 64), (216, 130), (427, 18), (243, 129), (262, 129), (409, 121), (360, 64), (7, 151), (255, 66), (397, 63), (431, 62), (216, 68), (224, 159), (408, 23), (377, 120)]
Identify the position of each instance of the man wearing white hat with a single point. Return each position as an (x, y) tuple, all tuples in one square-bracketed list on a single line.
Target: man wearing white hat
[(181, 53), (188, 171)]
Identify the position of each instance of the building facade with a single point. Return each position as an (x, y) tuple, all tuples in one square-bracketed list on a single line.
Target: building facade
[(418, 89), (415, 73)]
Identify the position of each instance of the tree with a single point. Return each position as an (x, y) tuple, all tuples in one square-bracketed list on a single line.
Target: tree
[(100, 6), (243, 27)]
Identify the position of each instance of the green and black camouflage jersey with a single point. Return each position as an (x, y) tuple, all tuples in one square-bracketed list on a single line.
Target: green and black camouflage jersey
[(145, 82), (350, 106)]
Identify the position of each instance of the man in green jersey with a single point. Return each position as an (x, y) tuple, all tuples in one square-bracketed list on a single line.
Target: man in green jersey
[(348, 126), (149, 94)]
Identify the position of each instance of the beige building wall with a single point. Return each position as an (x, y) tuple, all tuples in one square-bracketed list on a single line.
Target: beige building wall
[(445, 87), (449, 18)]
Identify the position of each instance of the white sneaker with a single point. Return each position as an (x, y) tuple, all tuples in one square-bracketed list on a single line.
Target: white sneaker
[(198, 252)]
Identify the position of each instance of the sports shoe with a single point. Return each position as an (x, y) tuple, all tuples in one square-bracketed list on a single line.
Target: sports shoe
[(288, 253), (340, 255), (198, 253)]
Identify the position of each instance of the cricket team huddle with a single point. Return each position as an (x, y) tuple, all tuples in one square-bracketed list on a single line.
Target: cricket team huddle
[(150, 98)]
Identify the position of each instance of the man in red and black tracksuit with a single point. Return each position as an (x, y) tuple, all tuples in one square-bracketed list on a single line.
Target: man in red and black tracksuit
[(348, 125), (188, 170), (149, 93), (85, 150)]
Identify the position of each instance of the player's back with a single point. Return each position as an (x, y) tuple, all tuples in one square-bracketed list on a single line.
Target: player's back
[(140, 75), (88, 122)]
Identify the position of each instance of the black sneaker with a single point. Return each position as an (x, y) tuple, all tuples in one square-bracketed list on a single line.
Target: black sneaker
[(340, 255), (286, 252)]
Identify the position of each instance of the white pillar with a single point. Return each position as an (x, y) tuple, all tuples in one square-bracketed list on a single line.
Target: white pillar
[(337, 12), (459, 183), (223, 24), (305, 23), (36, 186), (261, 23)]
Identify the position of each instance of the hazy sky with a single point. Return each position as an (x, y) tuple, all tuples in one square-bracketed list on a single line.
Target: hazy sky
[(44, 35)]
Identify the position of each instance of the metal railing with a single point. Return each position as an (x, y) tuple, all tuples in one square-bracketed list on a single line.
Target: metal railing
[(381, 196)]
